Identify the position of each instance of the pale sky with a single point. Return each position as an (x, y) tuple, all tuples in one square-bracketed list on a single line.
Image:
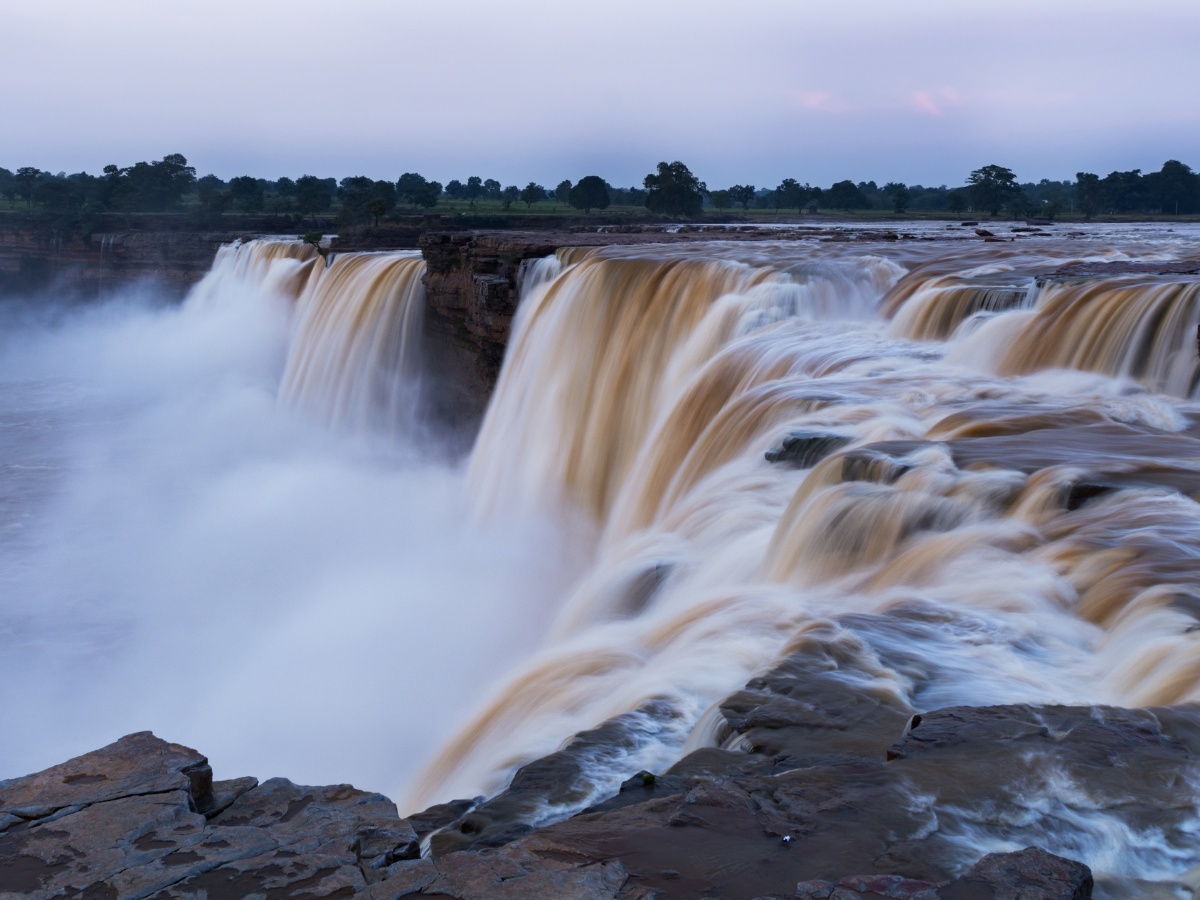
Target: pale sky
[(748, 91)]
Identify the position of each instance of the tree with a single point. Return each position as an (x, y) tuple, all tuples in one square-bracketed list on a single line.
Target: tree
[(247, 194), (900, 195), (509, 196), (590, 193), (847, 195), (1125, 191), (532, 193), (492, 189), (1175, 188), (26, 180), (722, 199), (455, 189), (675, 191), (991, 187), (377, 207), (562, 193), (956, 200), (416, 191), (474, 190), (312, 195), (743, 194), (789, 194)]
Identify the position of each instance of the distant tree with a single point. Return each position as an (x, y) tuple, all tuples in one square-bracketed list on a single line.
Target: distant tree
[(956, 200), (532, 193), (285, 187), (675, 191), (27, 178), (847, 195), (991, 187), (414, 190), (636, 196), (1174, 189), (1125, 191), (8, 185), (899, 194), (59, 197), (562, 191), (591, 192), (509, 196), (455, 189), (312, 195), (722, 199), (789, 194), (247, 194), (743, 194), (492, 189), (377, 207), (474, 190)]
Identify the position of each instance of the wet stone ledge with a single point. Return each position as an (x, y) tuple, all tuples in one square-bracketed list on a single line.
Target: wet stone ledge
[(821, 790)]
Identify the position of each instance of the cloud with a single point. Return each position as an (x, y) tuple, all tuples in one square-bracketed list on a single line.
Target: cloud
[(935, 102), (823, 101)]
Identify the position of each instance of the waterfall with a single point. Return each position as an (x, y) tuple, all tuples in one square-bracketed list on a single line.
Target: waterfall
[(1044, 522), (353, 358)]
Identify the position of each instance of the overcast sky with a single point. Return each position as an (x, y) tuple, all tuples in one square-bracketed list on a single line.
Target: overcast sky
[(747, 91)]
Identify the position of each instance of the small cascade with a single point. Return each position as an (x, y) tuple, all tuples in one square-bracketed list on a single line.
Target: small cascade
[(278, 268), (1131, 329), (936, 311), (354, 357)]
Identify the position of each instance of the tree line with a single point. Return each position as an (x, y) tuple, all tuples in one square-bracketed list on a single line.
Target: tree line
[(171, 185)]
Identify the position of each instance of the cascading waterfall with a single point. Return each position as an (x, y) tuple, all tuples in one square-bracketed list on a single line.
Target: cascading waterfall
[(1043, 518), (353, 358)]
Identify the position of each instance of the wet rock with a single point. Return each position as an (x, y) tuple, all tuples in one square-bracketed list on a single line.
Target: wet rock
[(136, 764), (1029, 874), (804, 449), (564, 779), (129, 821)]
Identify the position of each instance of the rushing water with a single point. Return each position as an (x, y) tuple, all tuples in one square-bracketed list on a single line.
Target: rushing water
[(215, 524)]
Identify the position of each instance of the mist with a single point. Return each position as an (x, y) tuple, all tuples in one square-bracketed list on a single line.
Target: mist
[(180, 553)]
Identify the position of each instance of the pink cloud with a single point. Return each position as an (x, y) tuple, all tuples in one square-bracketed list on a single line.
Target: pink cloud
[(934, 102), (822, 101)]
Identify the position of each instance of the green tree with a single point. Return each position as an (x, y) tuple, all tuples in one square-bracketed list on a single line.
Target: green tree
[(790, 193), (376, 207), (474, 190), (675, 191), (743, 194), (562, 192), (900, 196), (722, 199), (532, 193), (492, 189), (509, 196), (956, 200), (247, 194), (590, 193), (27, 178), (1175, 188), (312, 195), (416, 191), (991, 187), (455, 189), (847, 195)]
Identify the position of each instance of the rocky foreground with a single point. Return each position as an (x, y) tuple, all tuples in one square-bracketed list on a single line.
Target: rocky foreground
[(833, 791)]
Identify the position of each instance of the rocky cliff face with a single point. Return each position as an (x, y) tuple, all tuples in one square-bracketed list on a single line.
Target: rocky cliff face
[(168, 250), (472, 290)]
